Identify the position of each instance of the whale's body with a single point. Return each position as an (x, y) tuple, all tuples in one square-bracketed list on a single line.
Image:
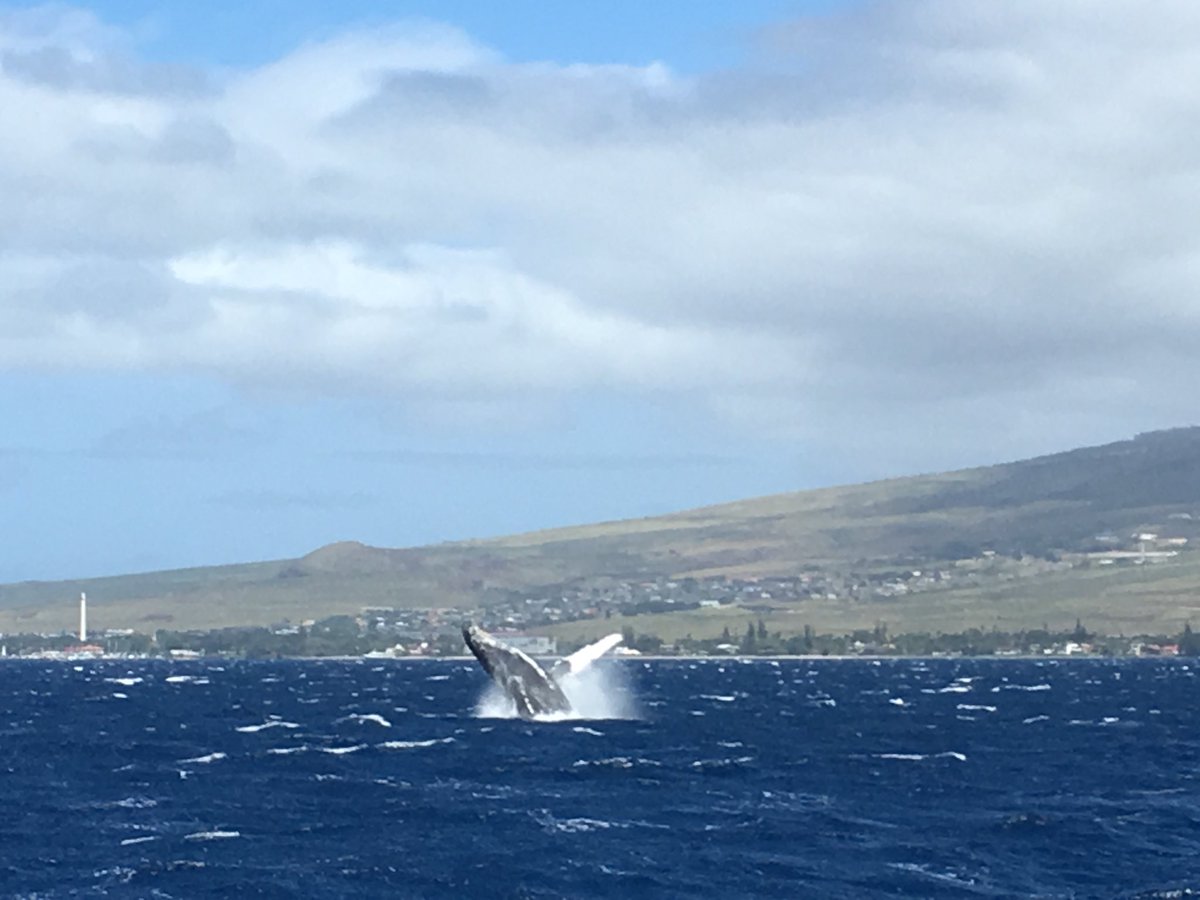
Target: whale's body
[(533, 690)]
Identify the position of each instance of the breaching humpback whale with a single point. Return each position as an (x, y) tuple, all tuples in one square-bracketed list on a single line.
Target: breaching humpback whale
[(532, 689)]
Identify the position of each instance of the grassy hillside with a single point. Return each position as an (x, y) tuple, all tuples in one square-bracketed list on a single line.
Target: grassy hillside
[(1058, 502), (1032, 506), (1137, 600)]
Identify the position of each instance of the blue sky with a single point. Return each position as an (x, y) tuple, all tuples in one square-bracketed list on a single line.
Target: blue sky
[(278, 274), (690, 36)]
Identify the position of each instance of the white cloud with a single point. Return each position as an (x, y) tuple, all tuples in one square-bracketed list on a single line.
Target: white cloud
[(905, 213), (438, 320)]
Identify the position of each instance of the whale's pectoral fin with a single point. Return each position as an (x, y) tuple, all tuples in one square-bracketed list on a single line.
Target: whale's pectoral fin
[(585, 656)]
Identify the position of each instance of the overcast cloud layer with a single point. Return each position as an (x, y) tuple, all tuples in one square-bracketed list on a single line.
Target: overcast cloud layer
[(920, 214)]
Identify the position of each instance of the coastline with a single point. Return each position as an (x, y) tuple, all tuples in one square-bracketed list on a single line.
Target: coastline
[(736, 658)]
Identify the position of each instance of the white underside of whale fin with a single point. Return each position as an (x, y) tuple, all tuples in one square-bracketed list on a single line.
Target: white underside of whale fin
[(585, 656)]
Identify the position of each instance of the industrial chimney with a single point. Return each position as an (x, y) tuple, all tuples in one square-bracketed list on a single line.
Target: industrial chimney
[(82, 618)]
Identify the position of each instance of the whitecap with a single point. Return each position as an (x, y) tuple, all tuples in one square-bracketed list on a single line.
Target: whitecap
[(137, 840), (721, 763), (722, 698), (121, 696), (948, 876), (1020, 687), (126, 682), (208, 758), (414, 745), (616, 762), (282, 751), (137, 803), (979, 707), (577, 824), (897, 701), (123, 874), (917, 757), (579, 729), (270, 723), (211, 835), (339, 751), (1033, 719), (613, 762), (367, 717)]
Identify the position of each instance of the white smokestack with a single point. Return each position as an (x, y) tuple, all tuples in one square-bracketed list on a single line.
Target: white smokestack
[(82, 618)]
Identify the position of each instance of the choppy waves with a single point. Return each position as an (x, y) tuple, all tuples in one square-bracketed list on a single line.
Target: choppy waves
[(834, 778)]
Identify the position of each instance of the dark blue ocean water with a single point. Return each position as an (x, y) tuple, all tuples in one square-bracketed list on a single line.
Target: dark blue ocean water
[(761, 779)]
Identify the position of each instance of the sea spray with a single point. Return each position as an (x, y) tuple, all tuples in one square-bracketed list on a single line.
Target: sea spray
[(600, 691), (495, 704)]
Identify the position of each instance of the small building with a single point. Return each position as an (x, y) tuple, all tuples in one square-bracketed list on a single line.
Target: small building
[(533, 644), (82, 651)]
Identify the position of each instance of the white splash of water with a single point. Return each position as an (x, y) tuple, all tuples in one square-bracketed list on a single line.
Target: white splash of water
[(600, 691), (495, 704)]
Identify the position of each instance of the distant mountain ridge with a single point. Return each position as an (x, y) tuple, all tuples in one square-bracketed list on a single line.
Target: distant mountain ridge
[(1031, 506), (1040, 506)]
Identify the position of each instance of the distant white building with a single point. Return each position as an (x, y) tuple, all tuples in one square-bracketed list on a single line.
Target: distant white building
[(533, 644)]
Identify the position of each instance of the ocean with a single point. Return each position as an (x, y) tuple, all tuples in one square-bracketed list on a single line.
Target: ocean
[(714, 778)]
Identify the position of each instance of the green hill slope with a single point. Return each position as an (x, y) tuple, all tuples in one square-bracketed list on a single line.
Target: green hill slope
[(1088, 499)]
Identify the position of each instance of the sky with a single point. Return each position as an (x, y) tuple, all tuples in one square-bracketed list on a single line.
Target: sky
[(278, 274)]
